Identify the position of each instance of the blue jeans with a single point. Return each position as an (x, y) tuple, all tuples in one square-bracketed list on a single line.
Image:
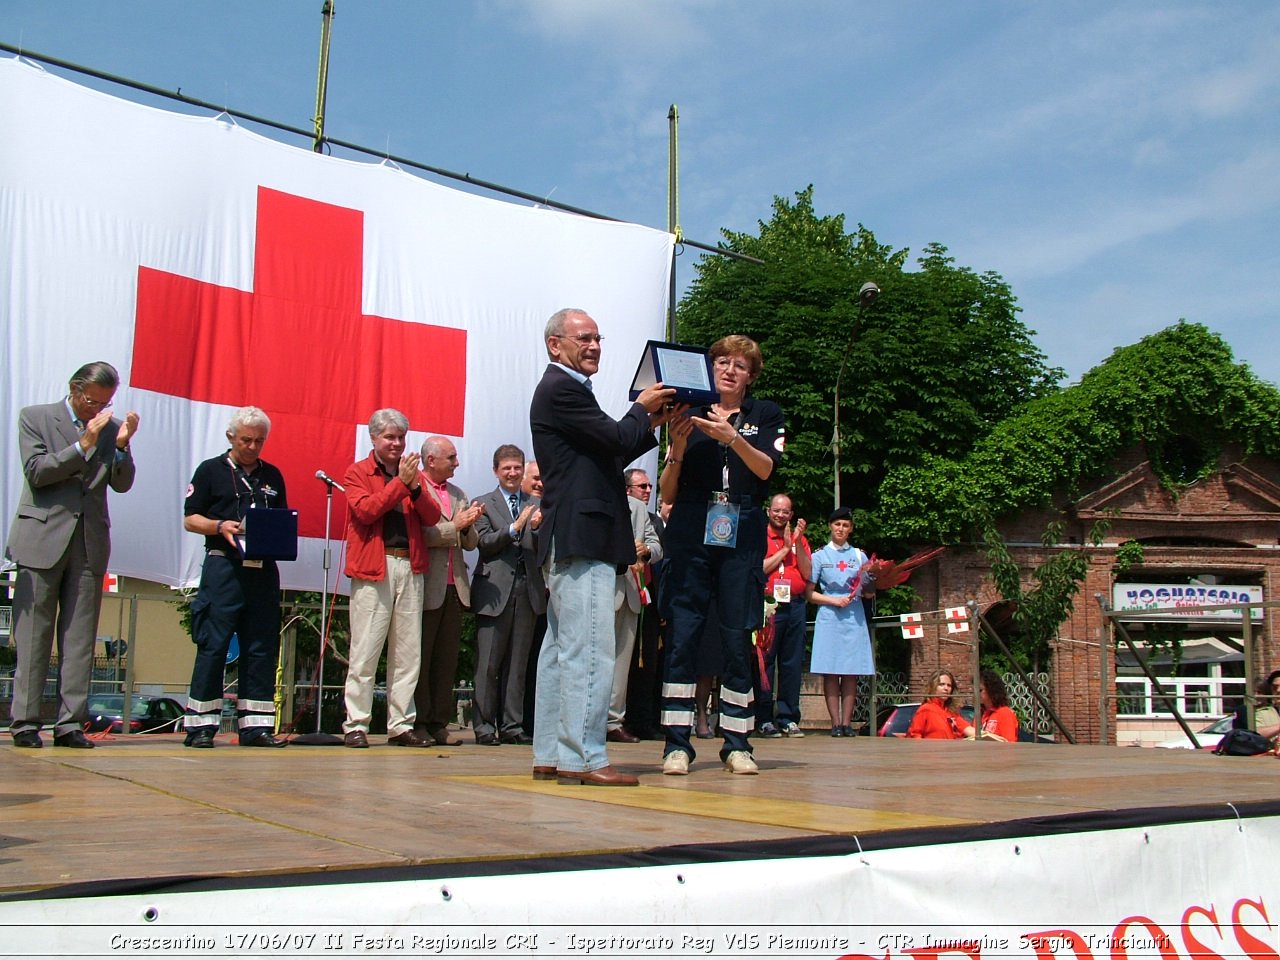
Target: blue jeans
[(788, 654), (575, 667)]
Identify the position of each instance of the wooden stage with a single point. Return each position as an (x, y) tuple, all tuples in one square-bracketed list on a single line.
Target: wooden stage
[(146, 807)]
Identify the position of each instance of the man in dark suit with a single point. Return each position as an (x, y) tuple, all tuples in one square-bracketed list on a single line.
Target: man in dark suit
[(71, 451), (644, 682), (507, 594), (585, 540)]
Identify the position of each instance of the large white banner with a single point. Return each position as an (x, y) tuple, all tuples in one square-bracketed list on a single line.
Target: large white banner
[(1183, 891), (216, 268)]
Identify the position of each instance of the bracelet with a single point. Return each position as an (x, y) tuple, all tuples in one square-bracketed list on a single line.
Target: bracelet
[(217, 531), (671, 461)]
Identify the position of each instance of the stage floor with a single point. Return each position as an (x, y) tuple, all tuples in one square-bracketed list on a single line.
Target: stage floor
[(145, 806)]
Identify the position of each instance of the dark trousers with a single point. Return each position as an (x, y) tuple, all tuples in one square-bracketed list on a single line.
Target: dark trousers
[(433, 698), (245, 601), (735, 579), (644, 683), (502, 657), (784, 666)]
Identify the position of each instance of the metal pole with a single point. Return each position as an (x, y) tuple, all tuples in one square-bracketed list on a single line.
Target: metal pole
[(975, 664), (673, 209), (322, 81), (127, 712), (1155, 682), (1104, 680), (324, 604), (1250, 677)]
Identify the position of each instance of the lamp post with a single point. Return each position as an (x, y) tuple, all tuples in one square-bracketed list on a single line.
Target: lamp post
[(867, 294)]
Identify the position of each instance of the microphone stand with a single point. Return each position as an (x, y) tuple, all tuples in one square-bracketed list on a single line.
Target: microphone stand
[(319, 739)]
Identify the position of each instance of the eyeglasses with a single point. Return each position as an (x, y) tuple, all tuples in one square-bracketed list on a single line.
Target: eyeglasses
[(643, 486), (727, 363), (93, 404), (582, 338)]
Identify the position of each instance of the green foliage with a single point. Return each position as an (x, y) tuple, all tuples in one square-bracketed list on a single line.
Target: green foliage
[(1178, 391), (939, 359), (1128, 555), (1039, 610)]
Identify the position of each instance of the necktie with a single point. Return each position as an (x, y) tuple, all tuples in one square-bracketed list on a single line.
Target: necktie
[(515, 505)]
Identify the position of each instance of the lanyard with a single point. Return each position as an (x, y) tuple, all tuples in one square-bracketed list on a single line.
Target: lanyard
[(724, 452)]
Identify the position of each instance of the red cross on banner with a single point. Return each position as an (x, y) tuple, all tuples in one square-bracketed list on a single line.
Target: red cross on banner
[(299, 347), (957, 619)]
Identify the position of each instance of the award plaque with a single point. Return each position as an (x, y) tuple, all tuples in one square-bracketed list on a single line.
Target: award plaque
[(678, 365)]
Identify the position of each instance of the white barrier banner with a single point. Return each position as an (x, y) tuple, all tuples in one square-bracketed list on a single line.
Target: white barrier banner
[(1193, 890), (216, 268)]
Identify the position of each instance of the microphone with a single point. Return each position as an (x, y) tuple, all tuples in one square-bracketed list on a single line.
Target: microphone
[(321, 475)]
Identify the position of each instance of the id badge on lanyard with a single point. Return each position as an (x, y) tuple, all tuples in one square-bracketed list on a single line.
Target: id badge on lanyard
[(722, 522)]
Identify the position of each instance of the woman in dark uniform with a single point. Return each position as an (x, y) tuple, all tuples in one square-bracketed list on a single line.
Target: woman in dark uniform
[(717, 476)]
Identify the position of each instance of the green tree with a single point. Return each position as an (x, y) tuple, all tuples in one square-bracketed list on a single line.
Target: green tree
[(1180, 392), (936, 362)]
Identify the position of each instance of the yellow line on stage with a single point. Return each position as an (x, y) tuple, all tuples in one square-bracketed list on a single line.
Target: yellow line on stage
[(796, 814)]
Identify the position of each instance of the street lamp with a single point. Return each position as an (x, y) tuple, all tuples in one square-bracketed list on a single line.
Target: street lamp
[(867, 294)]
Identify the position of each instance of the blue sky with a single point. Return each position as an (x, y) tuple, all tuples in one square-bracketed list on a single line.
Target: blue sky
[(1117, 163)]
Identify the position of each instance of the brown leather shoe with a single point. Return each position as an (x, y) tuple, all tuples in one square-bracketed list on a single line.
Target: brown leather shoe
[(544, 773), (410, 739), (602, 777), (356, 738), (621, 735)]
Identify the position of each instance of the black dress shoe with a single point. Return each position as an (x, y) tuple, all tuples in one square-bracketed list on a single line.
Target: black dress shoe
[(27, 738), (74, 738), (410, 739), (202, 738), (521, 738), (264, 740), (443, 738), (487, 740)]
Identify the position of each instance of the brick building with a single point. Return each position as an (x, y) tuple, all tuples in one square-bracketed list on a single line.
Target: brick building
[(1222, 529)]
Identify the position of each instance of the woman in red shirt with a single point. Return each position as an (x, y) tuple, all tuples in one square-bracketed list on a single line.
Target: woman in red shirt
[(938, 718), (999, 722)]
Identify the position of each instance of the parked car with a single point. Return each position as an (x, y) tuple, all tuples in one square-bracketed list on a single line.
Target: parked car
[(146, 714), (1208, 737), (895, 720)]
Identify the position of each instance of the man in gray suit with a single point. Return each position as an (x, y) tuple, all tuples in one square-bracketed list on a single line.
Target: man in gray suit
[(71, 451), (628, 601), (507, 594), (446, 592)]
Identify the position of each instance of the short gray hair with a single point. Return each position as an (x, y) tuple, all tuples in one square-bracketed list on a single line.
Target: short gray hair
[(434, 446), (99, 373), (387, 417), (555, 326), (248, 417)]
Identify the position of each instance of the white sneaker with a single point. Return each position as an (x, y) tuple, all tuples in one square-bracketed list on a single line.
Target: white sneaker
[(739, 761), (790, 729), (676, 764)]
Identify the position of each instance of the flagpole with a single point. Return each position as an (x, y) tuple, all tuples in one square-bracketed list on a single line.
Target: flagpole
[(322, 81)]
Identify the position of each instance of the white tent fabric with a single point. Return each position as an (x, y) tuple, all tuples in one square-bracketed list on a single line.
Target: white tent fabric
[(217, 268)]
